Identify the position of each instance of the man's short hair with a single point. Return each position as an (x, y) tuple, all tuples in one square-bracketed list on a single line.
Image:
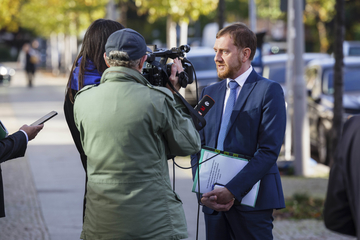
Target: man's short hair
[(126, 40), (241, 35), (121, 59)]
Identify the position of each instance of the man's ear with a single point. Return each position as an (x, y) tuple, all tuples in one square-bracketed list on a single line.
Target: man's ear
[(246, 54), (107, 64), (143, 59)]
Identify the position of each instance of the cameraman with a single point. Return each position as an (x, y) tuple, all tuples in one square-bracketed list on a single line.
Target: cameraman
[(127, 128)]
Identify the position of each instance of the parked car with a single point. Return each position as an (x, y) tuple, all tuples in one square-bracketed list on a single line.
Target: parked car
[(6, 73), (351, 48), (202, 59), (274, 66), (319, 78)]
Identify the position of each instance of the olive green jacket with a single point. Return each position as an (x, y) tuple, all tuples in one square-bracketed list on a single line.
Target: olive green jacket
[(127, 129)]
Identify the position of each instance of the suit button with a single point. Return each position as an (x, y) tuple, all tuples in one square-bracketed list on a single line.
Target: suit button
[(246, 192)]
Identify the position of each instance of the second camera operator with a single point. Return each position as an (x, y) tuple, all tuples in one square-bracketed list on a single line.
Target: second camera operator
[(127, 128)]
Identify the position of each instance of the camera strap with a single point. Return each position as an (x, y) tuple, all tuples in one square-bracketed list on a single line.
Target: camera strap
[(199, 121)]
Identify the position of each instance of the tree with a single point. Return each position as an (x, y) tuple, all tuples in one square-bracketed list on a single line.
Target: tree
[(8, 14), (338, 76), (269, 9), (221, 13), (62, 22), (318, 13), (352, 20), (69, 17), (176, 11)]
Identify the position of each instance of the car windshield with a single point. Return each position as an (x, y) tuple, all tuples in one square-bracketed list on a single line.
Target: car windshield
[(203, 63), (277, 73), (351, 81), (354, 51)]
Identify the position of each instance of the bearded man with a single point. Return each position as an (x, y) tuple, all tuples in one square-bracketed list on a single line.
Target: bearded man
[(248, 118)]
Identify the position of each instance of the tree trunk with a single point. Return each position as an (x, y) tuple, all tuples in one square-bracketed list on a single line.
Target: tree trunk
[(252, 15), (221, 13), (300, 117), (338, 77), (183, 33), (123, 5), (54, 52), (324, 43), (170, 32)]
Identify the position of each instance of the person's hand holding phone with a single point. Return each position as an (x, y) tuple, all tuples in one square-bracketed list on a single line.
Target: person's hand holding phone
[(36, 126), (32, 131)]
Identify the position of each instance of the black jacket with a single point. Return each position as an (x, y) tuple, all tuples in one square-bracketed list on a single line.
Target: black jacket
[(69, 116), (341, 210), (11, 147)]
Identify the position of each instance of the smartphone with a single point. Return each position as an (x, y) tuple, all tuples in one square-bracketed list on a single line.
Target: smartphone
[(44, 118)]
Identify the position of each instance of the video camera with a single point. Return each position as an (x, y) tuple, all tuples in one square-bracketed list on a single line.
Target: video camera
[(157, 71)]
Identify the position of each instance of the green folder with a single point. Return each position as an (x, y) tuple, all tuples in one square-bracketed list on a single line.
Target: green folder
[(3, 131)]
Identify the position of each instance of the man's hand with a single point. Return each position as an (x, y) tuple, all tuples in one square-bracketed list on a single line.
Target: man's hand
[(32, 131), (176, 67), (220, 199)]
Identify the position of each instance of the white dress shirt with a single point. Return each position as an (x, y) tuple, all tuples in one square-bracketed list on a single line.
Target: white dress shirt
[(240, 80), (27, 138)]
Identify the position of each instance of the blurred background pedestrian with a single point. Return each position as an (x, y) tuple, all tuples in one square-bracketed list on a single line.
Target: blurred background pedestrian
[(28, 58)]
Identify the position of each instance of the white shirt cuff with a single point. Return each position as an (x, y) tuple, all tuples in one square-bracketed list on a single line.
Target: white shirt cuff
[(27, 138)]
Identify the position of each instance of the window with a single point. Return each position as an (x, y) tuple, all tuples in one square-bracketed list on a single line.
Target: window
[(354, 51), (351, 80), (203, 63), (275, 72)]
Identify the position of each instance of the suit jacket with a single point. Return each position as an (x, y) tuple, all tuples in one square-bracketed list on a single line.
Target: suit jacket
[(341, 210), (11, 147), (257, 129)]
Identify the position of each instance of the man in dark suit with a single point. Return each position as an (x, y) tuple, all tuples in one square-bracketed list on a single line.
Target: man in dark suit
[(14, 146), (248, 118), (341, 210)]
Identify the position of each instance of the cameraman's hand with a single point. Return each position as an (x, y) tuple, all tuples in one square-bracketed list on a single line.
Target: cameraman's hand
[(175, 67), (32, 131)]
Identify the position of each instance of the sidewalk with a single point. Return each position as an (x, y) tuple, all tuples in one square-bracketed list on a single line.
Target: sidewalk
[(48, 182), (44, 190)]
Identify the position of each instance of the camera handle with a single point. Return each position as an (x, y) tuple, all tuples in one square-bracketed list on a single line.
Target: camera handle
[(199, 121)]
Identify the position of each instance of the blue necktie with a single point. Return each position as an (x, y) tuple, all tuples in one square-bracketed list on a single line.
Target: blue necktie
[(226, 116)]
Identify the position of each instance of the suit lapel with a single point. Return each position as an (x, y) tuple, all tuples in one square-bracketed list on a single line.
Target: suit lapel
[(246, 89), (219, 101), (215, 114)]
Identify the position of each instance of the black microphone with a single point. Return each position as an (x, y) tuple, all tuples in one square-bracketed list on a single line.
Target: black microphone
[(204, 105)]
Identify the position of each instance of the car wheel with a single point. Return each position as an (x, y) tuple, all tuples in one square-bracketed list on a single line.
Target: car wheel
[(322, 144)]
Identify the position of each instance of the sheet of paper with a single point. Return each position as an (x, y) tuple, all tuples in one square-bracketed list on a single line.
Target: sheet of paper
[(221, 169)]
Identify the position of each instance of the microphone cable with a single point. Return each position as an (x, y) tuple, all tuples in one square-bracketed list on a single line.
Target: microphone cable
[(197, 164)]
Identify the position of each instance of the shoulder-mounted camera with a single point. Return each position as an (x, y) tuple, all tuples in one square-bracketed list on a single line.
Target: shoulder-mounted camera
[(157, 70)]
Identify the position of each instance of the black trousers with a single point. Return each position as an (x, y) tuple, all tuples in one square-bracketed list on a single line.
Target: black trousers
[(239, 225)]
